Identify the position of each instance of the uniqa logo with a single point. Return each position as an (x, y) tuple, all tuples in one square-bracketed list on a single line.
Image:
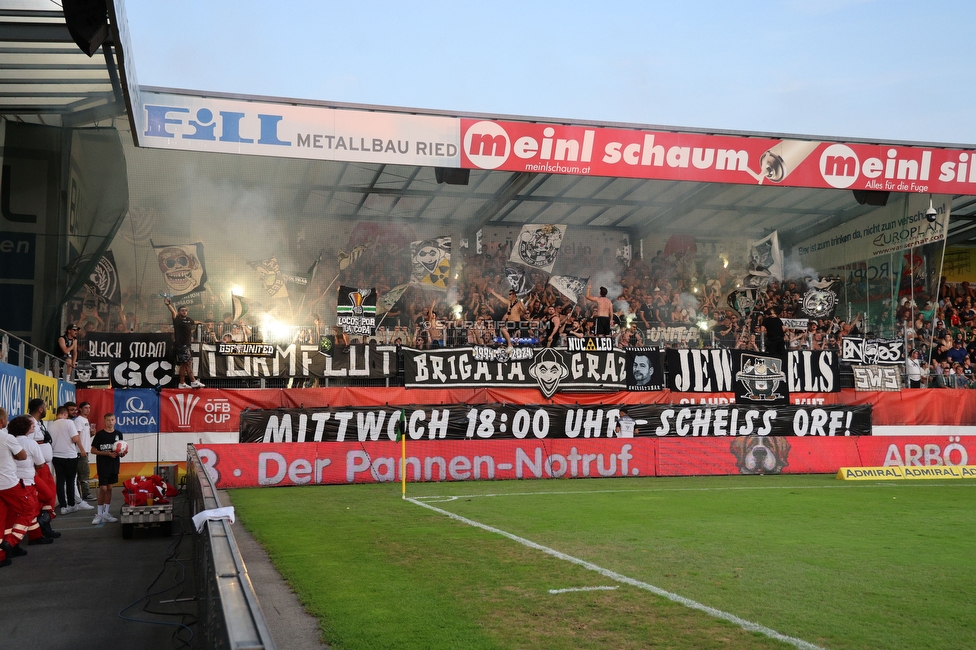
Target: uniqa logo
[(183, 403), (487, 145), (135, 405)]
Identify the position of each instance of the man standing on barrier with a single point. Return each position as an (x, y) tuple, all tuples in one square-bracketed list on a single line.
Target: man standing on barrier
[(182, 337), (604, 311), (515, 312), (775, 333), (68, 342)]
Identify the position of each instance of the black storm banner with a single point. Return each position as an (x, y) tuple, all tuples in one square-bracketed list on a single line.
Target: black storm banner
[(551, 370), (131, 360), (645, 370), (360, 360), (506, 422)]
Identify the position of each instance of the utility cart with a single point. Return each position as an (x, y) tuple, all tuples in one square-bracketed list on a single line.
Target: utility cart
[(157, 515)]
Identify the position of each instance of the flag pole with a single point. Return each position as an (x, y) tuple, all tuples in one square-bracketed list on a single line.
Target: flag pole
[(403, 453)]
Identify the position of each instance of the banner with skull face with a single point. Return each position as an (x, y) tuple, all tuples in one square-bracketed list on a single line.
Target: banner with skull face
[(538, 246), (431, 259), (820, 299), (183, 266)]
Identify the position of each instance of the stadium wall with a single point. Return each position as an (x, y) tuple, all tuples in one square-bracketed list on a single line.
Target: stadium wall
[(912, 427)]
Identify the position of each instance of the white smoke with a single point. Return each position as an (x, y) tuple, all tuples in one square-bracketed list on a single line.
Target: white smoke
[(606, 278)]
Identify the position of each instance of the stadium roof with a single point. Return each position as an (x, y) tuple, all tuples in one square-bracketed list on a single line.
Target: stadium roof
[(46, 79)]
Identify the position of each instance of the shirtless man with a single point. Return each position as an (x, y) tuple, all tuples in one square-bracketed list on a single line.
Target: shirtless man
[(604, 311), (514, 312), (554, 326)]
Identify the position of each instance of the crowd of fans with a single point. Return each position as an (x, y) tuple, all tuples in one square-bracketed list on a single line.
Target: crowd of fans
[(674, 299)]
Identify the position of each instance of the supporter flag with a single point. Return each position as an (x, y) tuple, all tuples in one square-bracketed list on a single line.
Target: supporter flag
[(356, 310), (390, 298), (516, 280), (401, 426), (271, 277), (570, 286), (138, 226), (103, 282), (537, 246), (766, 257), (183, 267), (239, 306), (345, 260), (820, 299), (431, 259), (742, 300)]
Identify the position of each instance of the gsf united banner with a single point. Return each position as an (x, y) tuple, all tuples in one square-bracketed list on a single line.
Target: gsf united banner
[(368, 362), (356, 310), (549, 369), (502, 421), (132, 360), (754, 374)]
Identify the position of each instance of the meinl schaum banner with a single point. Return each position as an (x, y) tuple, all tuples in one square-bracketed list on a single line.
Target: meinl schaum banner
[(506, 422), (133, 360), (302, 361), (551, 370)]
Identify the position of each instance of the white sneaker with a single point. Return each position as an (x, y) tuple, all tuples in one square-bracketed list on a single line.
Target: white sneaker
[(81, 505), (97, 520), (196, 384), (109, 518), (67, 510), (183, 386)]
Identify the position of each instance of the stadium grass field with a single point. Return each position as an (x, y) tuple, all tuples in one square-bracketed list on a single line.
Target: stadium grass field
[(824, 562)]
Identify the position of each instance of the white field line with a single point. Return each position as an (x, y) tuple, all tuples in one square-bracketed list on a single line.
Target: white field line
[(435, 498), (617, 577), (569, 589)]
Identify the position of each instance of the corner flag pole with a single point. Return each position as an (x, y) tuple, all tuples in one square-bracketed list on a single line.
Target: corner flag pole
[(401, 432)]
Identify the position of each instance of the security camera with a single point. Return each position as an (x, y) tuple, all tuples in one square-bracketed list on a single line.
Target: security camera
[(931, 213)]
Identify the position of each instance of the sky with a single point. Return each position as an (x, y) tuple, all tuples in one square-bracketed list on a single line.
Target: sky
[(859, 69)]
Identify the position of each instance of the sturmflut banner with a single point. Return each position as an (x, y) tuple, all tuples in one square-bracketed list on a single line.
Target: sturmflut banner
[(302, 361), (534, 422)]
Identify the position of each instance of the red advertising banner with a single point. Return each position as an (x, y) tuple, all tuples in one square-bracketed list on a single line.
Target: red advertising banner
[(280, 464), (631, 153), (916, 450)]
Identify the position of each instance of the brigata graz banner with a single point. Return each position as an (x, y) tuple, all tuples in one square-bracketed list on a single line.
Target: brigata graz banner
[(756, 375), (551, 370), (360, 360), (505, 422)]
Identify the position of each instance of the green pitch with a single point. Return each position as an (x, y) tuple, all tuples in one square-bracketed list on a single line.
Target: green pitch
[(823, 562)]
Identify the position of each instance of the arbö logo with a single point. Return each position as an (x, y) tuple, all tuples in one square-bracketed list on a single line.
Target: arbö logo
[(487, 145), (839, 166)]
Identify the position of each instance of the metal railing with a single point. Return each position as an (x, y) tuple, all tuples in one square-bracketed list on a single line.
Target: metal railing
[(229, 612), (18, 352)]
